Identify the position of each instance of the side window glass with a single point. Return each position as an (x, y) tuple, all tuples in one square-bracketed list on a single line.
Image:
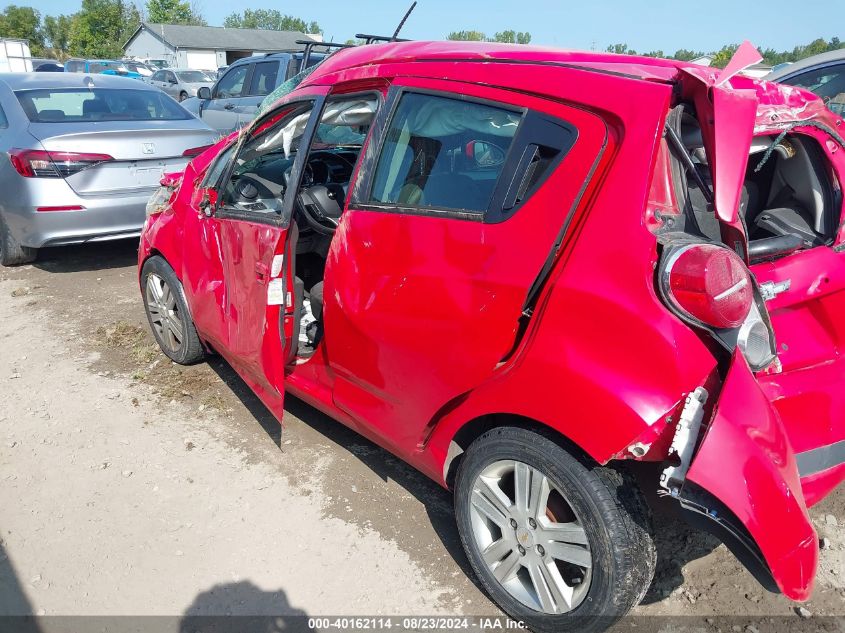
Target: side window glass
[(212, 176), (443, 153), (263, 79), (262, 169), (156, 76), (4, 122), (232, 83), (828, 83)]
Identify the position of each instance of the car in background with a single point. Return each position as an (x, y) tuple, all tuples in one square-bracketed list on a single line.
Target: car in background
[(139, 67), (233, 100), (181, 83), (100, 67), (554, 282), (155, 64), (47, 66), (823, 75), (81, 156)]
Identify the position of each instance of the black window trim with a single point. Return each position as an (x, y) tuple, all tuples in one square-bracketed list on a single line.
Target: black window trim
[(495, 212)]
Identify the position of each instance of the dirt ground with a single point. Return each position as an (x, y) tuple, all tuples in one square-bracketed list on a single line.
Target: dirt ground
[(130, 485)]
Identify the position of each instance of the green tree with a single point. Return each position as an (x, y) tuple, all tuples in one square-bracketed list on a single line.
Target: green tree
[(101, 28), (686, 55), (723, 55), (467, 36), (620, 49), (57, 34), (512, 37), (23, 23), (173, 12), (270, 19)]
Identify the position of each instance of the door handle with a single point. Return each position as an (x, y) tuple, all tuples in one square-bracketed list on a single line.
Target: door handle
[(229, 106)]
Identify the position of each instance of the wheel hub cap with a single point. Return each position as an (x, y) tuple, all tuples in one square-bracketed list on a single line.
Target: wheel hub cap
[(164, 312), (530, 537)]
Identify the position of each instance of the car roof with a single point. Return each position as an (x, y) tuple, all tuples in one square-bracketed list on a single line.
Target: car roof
[(808, 63), (650, 68), (41, 81)]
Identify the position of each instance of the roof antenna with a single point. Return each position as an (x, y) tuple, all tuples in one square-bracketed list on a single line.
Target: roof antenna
[(402, 23)]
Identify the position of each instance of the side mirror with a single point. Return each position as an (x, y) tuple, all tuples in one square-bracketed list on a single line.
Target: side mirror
[(485, 155), (173, 81), (204, 93)]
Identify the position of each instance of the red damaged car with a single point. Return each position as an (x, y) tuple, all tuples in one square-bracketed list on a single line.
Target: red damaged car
[(530, 273)]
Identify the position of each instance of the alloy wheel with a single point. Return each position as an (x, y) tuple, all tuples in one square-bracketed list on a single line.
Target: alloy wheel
[(164, 312), (530, 537)]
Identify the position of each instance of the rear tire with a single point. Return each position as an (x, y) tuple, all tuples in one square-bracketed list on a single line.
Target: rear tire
[(12, 253), (575, 555), (168, 314)]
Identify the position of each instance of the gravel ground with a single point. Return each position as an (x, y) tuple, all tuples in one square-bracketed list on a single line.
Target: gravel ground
[(130, 485)]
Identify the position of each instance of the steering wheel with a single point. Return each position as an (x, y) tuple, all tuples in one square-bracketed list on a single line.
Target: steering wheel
[(322, 206)]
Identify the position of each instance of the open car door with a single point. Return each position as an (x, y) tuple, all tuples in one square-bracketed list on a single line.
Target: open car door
[(253, 218)]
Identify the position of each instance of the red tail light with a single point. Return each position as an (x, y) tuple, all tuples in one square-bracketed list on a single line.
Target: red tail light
[(38, 163), (195, 151), (711, 284)]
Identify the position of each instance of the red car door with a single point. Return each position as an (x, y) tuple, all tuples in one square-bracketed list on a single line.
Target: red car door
[(251, 323), (426, 278)]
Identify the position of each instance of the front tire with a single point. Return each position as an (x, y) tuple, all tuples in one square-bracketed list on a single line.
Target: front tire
[(168, 314), (557, 542), (12, 253)]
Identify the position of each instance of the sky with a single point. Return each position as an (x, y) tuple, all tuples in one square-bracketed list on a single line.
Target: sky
[(584, 24)]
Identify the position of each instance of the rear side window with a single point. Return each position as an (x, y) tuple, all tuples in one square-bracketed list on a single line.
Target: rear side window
[(443, 153), (828, 83), (263, 79), (98, 104), (157, 76)]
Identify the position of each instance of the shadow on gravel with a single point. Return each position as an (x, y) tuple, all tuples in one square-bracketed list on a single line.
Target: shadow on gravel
[(677, 544), (13, 600), (242, 606), (248, 398), (88, 257), (436, 500)]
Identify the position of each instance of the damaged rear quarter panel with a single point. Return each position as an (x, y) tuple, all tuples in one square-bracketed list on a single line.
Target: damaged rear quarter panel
[(747, 462)]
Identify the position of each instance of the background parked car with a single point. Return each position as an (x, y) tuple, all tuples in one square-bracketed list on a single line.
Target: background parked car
[(47, 66), (82, 160), (139, 67), (181, 83), (822, 74), (100, 67), (233, 101)]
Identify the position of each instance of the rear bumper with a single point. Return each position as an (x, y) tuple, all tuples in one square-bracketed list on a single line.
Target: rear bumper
[(101, 218), (746, 461)]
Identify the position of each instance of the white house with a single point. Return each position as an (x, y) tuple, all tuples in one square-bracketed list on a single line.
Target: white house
[(207, 47)]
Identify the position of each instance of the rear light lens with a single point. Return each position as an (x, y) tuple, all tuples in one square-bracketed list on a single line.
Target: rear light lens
[(163, 198), (710, 287), (38, 163), (195, 151), (711, 284)]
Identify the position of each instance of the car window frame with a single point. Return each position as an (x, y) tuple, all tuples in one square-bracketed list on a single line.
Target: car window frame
[(215, 94), (255, 65), (509, 176), (282, 219), (157, 76)]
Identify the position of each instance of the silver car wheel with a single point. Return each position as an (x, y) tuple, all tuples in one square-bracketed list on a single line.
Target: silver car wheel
[(530, 537), (164, 312)]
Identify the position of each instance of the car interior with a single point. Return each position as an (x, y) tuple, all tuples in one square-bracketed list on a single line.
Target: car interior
[(788, 198), (438, 153)]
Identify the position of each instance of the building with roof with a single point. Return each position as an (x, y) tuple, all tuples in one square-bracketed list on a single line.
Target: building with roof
[(207, 47)]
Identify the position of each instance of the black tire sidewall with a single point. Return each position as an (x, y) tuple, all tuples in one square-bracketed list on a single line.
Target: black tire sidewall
[(190, 350), (600, 608), (11, 252)]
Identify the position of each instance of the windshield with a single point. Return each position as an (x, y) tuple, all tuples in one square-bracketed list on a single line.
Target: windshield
[(192, 77), (74, 105)]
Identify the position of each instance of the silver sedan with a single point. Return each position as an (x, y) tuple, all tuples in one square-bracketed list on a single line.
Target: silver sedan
[(181, 83), (83, 155)]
